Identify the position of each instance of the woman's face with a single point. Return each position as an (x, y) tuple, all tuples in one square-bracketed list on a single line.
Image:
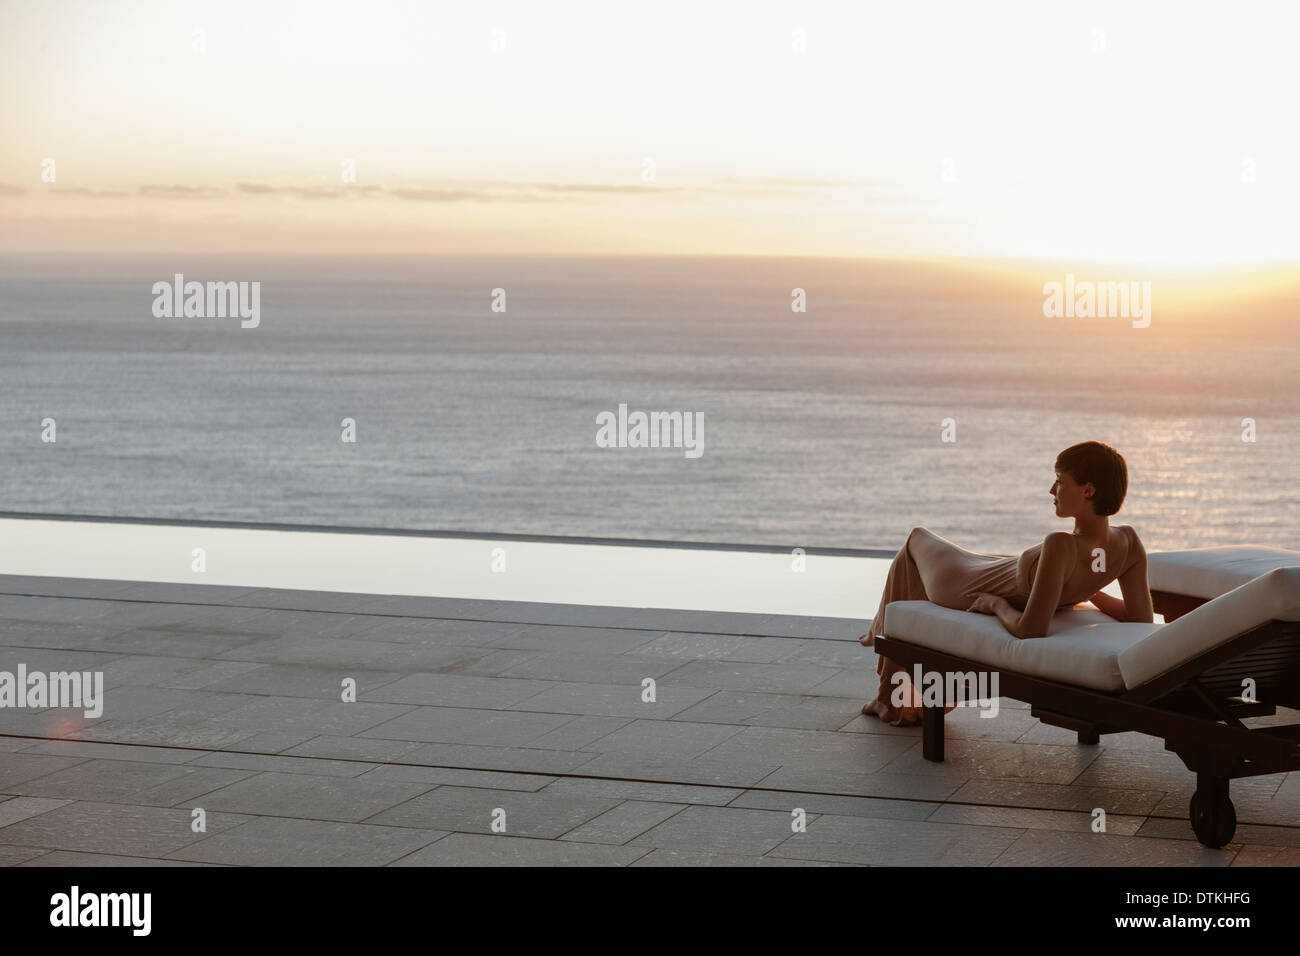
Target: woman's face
[(1069, 496)]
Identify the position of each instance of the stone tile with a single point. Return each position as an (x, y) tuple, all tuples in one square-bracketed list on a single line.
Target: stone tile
[(90, 749), (284, 764), (613, 700), (53, 659), (63, 587), (183, 593), (1261, 856), (698, 771), (17, 855), (742, 707), (812, 749), (1038, 732), (592, 667), (137, 703), (471, 810), (15, 768), (904, 786), (208, 673), (523, 759), (480, 635), (847, 653), (458, 690), (1058, 848), (786, 801), (623, 822), (338, 652), (287, 714), (565, 639), (160, 731), (1030, 819), (455, 725), (721, 830), (17, 809), (112, 828), (318, 601), (646, 791), (1247, 833), (876, 842), (275, 841), (791, 711), (772, 678), (124, 781), (287, 680), (1053, 796), (469, 849), (993, 758), (674, 740), (353, 748), (143, 670), (665, 857), (71, 858), (312, 797), (177, 641), (493, 663), (456, 777), (716, 647), (274, 742), (578, 733)]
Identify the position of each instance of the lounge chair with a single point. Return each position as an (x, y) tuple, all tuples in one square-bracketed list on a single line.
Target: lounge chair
[(1232, 617)]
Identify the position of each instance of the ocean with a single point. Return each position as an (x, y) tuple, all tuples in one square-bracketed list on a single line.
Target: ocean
[(822, 428)]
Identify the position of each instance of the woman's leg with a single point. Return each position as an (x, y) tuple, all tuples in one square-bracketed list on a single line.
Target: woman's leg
[(925, 558)]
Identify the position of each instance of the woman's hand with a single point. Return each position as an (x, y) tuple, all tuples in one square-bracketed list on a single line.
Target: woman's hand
[(986, 603)]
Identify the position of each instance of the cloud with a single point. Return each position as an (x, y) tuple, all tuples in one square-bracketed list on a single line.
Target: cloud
[(601, 188), (87, 191), (181, 192), (461, 195), (306, 192)]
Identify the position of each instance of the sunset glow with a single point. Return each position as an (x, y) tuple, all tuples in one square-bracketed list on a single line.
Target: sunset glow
[(1160, 134)]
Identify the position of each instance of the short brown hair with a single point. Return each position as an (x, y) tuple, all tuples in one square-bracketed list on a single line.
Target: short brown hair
[(1099, 463)]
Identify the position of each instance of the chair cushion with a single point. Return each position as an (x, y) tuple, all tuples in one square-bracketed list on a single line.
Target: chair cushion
[(1274, 596), (1082, 646), (1210, 572)]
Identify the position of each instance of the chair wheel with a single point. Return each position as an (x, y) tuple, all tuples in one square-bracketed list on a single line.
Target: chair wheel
[(1213, 821)]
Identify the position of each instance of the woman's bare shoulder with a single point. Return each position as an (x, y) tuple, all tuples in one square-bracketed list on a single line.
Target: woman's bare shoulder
[(1136, 551)]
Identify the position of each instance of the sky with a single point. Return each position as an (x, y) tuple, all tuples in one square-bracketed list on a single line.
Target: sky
[(1164, 133)]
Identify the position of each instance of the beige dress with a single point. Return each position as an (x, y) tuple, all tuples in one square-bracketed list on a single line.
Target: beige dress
[(932, 568)]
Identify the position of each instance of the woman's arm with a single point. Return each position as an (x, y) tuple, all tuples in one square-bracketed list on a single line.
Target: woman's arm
[(1137, 592), (1136, 604), (1111, 606), (1054, 564)]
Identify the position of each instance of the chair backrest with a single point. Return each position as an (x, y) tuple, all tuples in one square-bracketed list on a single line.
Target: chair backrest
[(1274, 596)]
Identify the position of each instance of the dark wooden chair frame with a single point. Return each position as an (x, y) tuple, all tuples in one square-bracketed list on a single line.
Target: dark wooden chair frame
[(1195, 708)]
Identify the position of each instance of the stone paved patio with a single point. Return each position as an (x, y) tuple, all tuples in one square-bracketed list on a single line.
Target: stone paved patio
[(229, 700)]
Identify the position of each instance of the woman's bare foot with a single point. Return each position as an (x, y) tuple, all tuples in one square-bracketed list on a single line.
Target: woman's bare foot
[(894, 716), (881, 709)]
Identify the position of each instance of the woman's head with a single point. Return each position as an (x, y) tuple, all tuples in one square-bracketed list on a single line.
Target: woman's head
[(1090, 474)]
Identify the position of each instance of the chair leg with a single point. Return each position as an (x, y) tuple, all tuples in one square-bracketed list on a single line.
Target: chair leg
[(1089, 736), (932, 733)]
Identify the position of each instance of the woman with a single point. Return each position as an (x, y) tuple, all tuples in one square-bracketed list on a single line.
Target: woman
[(1024, 591)]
